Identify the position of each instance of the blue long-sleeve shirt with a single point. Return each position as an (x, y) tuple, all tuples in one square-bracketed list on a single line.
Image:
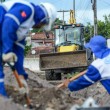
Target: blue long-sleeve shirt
[(99, 70), (18, 18), (17, 21)]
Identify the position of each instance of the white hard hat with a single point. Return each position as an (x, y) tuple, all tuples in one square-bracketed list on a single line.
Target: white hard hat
[(52, 14)]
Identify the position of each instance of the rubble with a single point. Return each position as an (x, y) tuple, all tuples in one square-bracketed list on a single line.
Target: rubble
[(7, 104), (44, 95)]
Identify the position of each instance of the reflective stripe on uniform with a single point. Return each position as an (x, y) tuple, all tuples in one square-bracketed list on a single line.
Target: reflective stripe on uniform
[(105, 78), (19, 44), (46, 14), (14, 18), (1, 80), (88, 79)]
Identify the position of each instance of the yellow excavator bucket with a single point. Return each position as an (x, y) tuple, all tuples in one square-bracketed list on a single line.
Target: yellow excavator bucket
[(68, 48)]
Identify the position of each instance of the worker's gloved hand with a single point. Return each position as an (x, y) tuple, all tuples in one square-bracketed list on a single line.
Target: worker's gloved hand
[(11, 57), (25, 88), (66, 82)]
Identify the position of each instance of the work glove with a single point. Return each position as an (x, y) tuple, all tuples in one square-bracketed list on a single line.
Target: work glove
[(25, 88), (9, 57), (66, 82)]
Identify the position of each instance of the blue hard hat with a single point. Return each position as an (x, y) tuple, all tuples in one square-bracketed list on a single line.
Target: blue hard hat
[(97, 44)]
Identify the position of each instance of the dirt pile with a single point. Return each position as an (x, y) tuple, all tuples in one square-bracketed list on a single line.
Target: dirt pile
[(44, 96), (7, 104), (44, 99)]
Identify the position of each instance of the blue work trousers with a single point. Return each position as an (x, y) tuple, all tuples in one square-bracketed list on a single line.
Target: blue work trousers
[(2, 86)]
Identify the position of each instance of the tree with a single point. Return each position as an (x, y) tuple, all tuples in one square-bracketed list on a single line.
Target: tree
[(27, 49), (58, 22), (103, 28), (35, 30), (88, 31)]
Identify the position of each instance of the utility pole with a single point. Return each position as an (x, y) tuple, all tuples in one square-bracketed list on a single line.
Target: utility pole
[(74, 8), (63, 14), (94, 7)]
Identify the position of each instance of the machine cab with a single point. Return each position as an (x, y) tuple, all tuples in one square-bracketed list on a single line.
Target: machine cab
[(68, 38)]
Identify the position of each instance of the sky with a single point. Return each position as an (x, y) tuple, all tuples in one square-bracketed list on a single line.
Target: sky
[(83, 9)]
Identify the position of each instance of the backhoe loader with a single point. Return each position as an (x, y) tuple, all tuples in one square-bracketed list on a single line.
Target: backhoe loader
[(69, 54)]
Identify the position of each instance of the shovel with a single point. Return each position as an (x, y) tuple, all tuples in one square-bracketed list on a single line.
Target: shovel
[(72, 79), (20, 84)]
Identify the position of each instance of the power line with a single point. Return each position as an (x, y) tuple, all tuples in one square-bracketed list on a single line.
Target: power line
[(106, 2), (105, 10), (83, 20), (56, 1), (102, 5), (85, 10), (84, 4), (79, 5)]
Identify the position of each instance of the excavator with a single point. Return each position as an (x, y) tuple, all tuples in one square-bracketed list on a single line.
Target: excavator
[(69, 54)]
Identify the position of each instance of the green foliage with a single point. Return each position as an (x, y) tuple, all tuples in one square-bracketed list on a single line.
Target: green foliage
[(58, 22), (36, 30), (27, 49), (103, 28), (88, 33), (70, 75)]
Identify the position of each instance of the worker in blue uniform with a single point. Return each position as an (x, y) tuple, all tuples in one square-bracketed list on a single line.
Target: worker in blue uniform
[(16, 18), (99, 70)]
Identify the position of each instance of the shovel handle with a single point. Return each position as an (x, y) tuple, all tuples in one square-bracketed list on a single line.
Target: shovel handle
[(20, 84), (17, 78), (15, 74), (72, 79)]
